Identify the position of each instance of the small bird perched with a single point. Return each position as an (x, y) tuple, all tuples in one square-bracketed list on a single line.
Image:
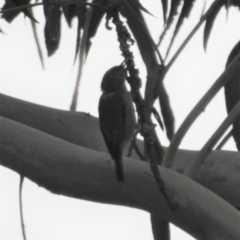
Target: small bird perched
[(116, 116)]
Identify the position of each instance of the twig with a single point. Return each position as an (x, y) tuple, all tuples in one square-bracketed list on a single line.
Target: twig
[(137, 150), (225, 139), (21, 7), (21, 207), (195, 165), (37, 42)]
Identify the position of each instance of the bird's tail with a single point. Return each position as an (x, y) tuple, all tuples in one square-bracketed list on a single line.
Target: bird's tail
[(119, 170)]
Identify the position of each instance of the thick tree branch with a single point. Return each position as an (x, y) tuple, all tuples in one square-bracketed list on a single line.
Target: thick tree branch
[(220, 172), (74, 171)]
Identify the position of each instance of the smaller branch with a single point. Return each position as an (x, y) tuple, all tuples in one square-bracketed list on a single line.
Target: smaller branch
[(21, 207), (221, 81), (37, 42), (195, 165), (21, 7), (225, 139)]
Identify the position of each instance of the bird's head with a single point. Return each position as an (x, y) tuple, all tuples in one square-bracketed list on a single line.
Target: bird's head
[(114, 79)]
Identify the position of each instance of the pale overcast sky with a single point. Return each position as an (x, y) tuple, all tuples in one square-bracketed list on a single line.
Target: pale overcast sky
[(49, 216)]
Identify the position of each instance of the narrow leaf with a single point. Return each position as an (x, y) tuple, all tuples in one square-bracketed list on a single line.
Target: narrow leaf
[(210, 21), (37, 41), (92, 19), (186, 9), (95, 21), (166, 110), (82, 57), (52, 43), (228, 5), (81, 12), (173, 12), (157, 117), (52, 12), (138, 5), (9, 16), (69, 12), (165, 9), (26, 11)]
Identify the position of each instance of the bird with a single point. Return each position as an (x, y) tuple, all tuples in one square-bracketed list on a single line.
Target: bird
[(116, 116)]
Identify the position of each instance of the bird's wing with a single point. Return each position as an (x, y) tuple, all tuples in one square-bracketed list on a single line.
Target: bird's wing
[(130, 124), (112, 115)]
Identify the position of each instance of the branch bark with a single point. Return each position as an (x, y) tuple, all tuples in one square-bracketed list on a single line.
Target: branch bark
[(75, 171)]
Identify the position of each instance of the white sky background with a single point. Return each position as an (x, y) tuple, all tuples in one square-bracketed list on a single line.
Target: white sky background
[(49, 216)]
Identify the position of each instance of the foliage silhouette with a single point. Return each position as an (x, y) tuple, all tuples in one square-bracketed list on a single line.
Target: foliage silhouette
[(90, 15)]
